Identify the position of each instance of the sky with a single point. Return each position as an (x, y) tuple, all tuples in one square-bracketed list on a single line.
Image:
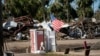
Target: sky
[(2, 1), (96, 4)]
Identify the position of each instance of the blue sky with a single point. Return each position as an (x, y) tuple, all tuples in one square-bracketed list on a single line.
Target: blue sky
[(96, 4)]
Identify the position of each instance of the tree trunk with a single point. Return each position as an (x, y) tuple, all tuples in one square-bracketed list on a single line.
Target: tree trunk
[(1, 36)]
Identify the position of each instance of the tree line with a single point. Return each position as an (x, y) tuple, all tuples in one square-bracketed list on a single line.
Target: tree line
[(41, 9)]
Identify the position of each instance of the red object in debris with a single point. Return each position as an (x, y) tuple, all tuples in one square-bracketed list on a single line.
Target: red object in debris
[(40, 39), (36, 40), (85, 45), (32, 41)]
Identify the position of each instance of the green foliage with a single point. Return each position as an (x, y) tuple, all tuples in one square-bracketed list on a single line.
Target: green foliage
[(99, 6), (21, 7), (65, 1), (84, 3), (97, 15), (63, 10), (56, 8), (35, 8), (84, 8)]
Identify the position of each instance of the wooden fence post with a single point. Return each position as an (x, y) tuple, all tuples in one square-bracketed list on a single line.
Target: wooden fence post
[(87, 49), (67, 51)]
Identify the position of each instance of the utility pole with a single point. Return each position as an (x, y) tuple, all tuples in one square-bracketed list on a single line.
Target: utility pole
[(1, 36)]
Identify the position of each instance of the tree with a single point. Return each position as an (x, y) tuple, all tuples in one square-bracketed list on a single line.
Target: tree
[(42, 10), (63, 9), (97, 15), (25, 7), (21, 7), (57, 9), (84, 8), (99, 6)]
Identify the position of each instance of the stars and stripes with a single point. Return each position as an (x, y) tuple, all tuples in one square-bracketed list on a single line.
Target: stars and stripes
[(56, 24)]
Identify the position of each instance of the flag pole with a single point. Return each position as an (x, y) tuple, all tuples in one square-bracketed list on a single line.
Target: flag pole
[(1, 36)]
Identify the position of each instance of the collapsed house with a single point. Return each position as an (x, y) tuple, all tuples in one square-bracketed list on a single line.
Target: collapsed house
[(86, 29), (13, 26)]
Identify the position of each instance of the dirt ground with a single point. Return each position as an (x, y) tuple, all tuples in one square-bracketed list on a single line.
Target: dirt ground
[(22, 45)]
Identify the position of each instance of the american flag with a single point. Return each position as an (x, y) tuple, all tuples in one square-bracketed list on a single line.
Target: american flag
[(56, 24)]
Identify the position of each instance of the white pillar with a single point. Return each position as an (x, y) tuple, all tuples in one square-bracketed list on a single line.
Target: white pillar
[(53, 40), (33, 40), (50, 41)]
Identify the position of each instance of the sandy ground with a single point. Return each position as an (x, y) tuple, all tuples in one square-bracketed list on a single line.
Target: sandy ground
[(72, 53), (79, 41), (21, 46)]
